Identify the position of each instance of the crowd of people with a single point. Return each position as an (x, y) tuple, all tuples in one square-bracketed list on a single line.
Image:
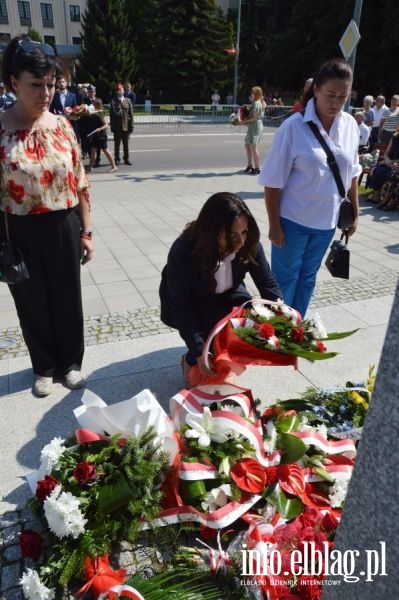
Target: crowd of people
[(86, 112), (379, 149)]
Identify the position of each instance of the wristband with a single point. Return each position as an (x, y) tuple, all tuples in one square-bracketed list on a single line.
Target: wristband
[(86, 234)]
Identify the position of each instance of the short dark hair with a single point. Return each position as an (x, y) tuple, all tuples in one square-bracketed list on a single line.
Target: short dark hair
[(218, 214), (335, 68), (37, 62)]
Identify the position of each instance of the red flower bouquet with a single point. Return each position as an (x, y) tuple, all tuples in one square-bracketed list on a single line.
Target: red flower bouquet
[(268, 333)]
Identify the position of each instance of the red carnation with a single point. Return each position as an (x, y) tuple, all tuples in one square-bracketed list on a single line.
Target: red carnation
[(298, 334), (31, 544), (320, 346), (85, 472), (266, 330), (249, 475), (45, 486), (271, 475)]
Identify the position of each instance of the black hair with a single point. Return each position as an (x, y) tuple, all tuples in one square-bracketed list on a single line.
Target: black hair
[(16, 61), (335, 68), (218, 215)]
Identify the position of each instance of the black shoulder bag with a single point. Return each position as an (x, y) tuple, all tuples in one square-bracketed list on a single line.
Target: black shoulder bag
[(346, 217), (12, 265)]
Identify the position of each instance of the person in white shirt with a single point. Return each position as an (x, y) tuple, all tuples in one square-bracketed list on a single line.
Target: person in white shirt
[(389, 120), (215, 98), (364, 131), (378, 110), (301, 195)]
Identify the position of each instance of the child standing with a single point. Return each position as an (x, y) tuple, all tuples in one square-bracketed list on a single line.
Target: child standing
[(98, 138)]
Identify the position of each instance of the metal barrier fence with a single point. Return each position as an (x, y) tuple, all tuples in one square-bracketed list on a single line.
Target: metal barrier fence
[(200, 118)]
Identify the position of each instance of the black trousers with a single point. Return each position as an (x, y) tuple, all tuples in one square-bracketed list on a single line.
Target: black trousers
[(209, 312), (49, 303), (121, 136)]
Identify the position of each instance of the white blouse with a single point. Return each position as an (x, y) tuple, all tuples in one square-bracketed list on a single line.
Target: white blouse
[(224, 274), (297, 165)]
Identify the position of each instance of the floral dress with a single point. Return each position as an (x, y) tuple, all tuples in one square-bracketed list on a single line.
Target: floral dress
[(40, 169)]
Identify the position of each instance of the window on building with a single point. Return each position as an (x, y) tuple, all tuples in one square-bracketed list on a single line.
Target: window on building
[(74, 11), (77, 41), (3, 12), (47, 14), (50, 40), (5, 38), (24, 13)]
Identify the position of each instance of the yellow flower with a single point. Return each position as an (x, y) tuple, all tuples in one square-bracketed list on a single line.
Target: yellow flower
[(356, 398)]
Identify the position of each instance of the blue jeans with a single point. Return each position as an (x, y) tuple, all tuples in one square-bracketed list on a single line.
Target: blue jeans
[(295, 265)]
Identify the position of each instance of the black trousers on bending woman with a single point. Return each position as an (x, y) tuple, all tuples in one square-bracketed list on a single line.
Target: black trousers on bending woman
[(49, 303), (209, 312)]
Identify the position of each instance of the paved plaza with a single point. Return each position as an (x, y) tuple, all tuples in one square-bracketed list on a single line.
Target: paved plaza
[(136, 217)]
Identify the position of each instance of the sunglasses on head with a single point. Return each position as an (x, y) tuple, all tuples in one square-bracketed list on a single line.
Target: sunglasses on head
[(29, 47)]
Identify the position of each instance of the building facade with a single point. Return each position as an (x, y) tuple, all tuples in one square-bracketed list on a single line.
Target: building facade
[(58, 22)]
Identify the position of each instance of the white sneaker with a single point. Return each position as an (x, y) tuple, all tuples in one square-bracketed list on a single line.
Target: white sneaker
[(74, 378), (43, 386)]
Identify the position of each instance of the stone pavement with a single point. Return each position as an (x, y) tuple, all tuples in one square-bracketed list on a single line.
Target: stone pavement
[(136, 217)]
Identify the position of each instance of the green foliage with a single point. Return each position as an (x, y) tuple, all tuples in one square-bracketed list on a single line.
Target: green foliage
[(108, 54), (308, 347), (188, 60), (184, 583)]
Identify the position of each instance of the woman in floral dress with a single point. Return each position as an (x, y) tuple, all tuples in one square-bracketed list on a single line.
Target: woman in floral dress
[(44, 196)]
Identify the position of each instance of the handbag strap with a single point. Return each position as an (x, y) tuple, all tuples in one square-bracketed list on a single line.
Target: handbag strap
[(5, 212), (344, 235), (332, 163)]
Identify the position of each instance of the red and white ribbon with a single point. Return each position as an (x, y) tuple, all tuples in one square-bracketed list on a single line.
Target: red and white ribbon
[(217, 519), (192, 401), (310, 438), (126, 591)]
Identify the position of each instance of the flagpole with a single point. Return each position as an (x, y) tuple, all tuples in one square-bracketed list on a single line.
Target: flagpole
[(237, 54)]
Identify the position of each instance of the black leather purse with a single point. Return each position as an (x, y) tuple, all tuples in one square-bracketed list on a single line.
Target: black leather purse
[(337, 261), (346, 217), (12, 264)]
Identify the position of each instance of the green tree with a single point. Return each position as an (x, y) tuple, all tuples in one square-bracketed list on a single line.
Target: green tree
[(185, 57), (108, 55), (34, 35)]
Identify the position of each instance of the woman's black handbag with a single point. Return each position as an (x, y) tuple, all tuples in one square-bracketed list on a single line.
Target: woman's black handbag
[(12, 264), (337, 261), (346, 217)]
